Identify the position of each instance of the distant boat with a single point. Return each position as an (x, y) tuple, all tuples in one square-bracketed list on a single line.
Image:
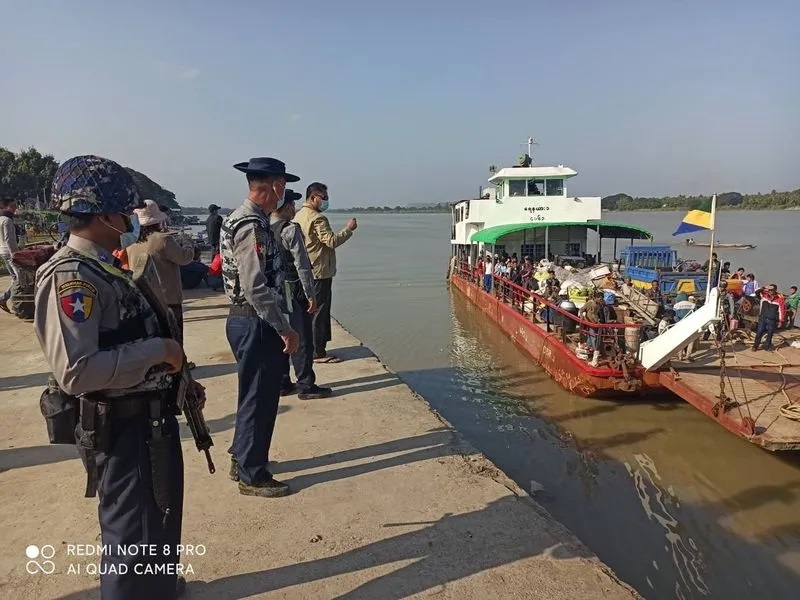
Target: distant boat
[(730, 246)]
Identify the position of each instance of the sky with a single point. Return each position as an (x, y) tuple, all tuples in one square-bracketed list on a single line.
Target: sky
[(407, 102)]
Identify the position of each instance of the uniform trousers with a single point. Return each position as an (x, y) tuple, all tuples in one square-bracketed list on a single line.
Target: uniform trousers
[(322, 318), (130, 517), (303, 359), (260, 361)]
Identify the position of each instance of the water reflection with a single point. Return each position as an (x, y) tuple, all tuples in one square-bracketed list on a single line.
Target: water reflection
[(718, 517), (686, 557)]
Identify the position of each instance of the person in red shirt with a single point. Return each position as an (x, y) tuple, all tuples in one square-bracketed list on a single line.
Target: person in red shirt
[(214, 278)]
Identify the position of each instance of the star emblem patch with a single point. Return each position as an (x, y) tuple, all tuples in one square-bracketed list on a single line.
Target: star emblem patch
[(77, 300)]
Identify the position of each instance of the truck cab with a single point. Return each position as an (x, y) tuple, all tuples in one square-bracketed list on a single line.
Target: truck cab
[(645, 264)]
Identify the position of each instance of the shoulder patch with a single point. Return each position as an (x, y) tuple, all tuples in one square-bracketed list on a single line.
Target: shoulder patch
[(77, 298)]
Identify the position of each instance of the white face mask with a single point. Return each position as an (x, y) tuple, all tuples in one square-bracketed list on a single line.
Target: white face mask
[(127, 238), (281, 197)]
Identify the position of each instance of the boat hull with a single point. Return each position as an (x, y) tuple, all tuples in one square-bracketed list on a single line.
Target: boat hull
[(547, 350)]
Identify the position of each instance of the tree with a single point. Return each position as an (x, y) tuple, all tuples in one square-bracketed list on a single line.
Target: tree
[(27, 175)]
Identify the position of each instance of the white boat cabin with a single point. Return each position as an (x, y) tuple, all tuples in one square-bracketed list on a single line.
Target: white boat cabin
[(528, 211)]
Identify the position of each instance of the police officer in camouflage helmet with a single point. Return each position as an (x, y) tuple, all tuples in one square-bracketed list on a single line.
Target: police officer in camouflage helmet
[(109, 356)]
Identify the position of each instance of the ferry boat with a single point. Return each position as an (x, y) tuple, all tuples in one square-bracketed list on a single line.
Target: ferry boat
[(528, 211)]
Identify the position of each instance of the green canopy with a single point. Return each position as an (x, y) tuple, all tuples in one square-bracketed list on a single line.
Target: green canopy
[(491, 235)]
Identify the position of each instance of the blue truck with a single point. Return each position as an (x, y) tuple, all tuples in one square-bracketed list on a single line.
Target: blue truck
[(645, 264)]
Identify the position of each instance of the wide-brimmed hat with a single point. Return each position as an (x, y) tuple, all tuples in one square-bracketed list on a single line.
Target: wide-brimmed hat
[(290, 196), (265, 166), (150, 214)]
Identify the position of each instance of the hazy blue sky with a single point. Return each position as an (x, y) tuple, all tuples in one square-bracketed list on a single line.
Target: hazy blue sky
[(410, 101)]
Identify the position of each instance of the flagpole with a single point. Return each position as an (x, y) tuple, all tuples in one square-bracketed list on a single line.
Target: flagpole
[(711, 246)]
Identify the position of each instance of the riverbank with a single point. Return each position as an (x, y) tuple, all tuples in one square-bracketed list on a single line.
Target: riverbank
[(390, 501)]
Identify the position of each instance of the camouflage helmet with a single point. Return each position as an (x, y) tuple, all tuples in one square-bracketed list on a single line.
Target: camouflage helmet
[(91, 185)]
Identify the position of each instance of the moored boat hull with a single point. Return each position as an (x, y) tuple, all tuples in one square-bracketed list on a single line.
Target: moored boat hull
[(573, 374)]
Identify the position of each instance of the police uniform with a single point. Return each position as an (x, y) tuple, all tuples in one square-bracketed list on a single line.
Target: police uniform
[(102, 340), (300, 279), (253, 274)]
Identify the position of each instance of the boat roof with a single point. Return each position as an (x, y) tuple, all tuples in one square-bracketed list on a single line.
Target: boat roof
[(607, 229), (532, 173)]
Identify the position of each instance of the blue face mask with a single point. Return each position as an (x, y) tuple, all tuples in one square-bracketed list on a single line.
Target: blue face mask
[(324, 206), (132, 236)]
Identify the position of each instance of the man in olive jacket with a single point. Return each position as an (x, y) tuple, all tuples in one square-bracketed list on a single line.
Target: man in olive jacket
[(321, 244)]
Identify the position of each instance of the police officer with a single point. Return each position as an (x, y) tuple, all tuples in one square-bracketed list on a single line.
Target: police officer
[(258, 327), (302, 305), (105, 348)]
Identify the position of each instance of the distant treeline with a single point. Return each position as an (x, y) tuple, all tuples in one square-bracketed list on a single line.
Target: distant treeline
[(774, 200), (441, 207)]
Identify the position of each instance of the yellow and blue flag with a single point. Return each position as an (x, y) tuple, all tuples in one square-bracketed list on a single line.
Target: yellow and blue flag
[(698, 219)]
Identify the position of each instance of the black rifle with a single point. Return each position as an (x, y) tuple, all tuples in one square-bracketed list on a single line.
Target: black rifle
[(148, 283)]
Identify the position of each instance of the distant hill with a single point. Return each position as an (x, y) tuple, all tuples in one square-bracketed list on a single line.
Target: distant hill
[(149, 189)]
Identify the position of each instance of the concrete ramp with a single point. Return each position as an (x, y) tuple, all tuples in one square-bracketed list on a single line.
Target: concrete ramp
[(654, 353)]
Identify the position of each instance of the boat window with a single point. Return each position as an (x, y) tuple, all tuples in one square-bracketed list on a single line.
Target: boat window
[(516, 187), (535, 187), (555, 187), (535, 251)]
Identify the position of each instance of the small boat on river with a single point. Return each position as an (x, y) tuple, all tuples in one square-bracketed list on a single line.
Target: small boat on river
[(729, 245), (528, 213)]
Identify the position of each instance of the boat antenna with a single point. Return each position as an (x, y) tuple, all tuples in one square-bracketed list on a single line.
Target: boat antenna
[(530, 144)]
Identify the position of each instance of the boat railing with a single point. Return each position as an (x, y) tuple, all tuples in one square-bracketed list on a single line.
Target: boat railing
[(621, 337)]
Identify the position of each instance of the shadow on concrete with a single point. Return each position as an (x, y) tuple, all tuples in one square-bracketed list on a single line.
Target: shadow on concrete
[(214, 317), (448, 549), (437, 437), (352, 352), (207, 371), (16, 382), (32, 456), (445, 550), (198, 306), (216, 426)]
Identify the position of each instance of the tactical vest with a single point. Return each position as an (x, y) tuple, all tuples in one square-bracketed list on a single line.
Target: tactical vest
[(137, 321), (274, 271), (292, 276)]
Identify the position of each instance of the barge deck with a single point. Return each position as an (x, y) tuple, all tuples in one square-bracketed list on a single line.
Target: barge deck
[(755, 385)]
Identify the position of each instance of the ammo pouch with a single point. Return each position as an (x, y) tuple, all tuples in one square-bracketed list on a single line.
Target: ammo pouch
[(61, 412)]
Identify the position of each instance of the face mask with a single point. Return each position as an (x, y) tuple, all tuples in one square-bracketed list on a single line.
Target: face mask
[(129, 237), (324, 206), (282, 199)]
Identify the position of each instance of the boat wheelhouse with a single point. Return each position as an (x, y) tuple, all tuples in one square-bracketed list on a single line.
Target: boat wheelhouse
[(528, 211)]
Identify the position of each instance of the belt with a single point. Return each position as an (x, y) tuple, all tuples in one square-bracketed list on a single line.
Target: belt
[(134, 405), (242, 310)]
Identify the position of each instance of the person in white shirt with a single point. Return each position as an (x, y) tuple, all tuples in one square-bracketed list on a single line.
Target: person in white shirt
[(8, 244)]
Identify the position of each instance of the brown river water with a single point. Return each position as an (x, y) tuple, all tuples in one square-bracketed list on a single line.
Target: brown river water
[(676, 505)]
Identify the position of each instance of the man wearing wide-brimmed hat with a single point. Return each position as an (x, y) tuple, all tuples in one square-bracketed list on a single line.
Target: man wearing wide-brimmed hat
[(258, 327)]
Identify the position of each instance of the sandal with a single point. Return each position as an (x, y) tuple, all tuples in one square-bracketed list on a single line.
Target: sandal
[(328, 358)]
